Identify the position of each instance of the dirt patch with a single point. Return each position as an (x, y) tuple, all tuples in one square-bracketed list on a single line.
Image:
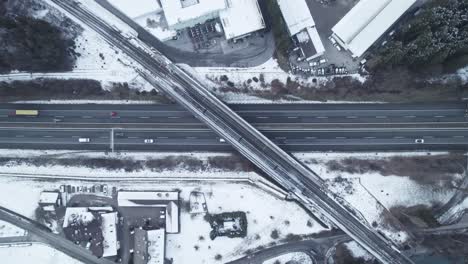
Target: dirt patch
[(222, 163), (73, 89), (420, 216), (422, 169)]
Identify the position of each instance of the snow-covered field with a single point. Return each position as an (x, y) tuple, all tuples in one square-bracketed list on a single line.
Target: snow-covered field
[(295, 257), (357, 251), (35, 253), (9, 230)]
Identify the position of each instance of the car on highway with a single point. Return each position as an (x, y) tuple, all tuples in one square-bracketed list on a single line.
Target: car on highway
[(222, 140), (113, 113), (84, 140), (419, 141), (149, 141)]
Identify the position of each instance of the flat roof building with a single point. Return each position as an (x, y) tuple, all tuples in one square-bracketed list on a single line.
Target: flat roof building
[(185, 13), (301, 26), (238, 17), (167, 200), (366, 22), (149, 246), (241, 17)]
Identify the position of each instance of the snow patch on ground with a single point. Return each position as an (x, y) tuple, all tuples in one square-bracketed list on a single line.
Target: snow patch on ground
[(357, 251), (10, 230), (296, 257), (463, 74), (35, 253)]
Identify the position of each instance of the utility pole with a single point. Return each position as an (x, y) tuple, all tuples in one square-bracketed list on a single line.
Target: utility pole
[(112, 140)]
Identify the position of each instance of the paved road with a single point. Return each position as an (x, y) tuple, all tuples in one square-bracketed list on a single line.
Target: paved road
[(276, 115), (178, 139), (306, 186)]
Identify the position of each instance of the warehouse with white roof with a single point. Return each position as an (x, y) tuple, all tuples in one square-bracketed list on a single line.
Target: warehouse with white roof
[(301, 26), (366, 22), (238, 17)]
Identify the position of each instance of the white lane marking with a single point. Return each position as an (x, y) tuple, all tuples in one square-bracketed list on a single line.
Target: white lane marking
[(173, 117), (48, 136), (410, 116), (428, 136), (191, 137), (351, 117), (280, 137), (262, 117), (340, 137), (19, 136), (369, 137), (322, 117), (144, 117), (399, 137), (162, 137), (458, 136), (439, 116), (381, 117), (292, 117), (311, 138)]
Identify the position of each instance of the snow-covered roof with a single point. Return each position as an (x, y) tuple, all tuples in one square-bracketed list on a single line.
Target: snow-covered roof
[(367, 21), (79, 214), (48, 197), (156, 244), (172, 218), (109, 232), (133, 10), (316, 40), (296, 14), (180, 11), (241, 17), (146, 199)]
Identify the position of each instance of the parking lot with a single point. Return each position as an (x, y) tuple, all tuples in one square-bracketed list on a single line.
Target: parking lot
[(335, 61)]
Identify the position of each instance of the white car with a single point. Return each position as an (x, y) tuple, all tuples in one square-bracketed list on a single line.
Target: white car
[(222, 140), (149, 141), (84, 140), (333, 41), (419, 141)]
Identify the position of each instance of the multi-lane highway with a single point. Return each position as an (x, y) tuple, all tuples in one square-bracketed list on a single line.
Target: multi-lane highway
[(170, 139), (279, 115), (298, 127)]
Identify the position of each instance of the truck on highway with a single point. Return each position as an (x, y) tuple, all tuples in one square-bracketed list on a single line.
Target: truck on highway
[(26, 113)]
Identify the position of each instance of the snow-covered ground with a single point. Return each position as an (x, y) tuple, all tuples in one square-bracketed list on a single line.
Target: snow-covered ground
[(265, 212), (372, 193), (245, 78), (35, 253), (9, 230), (357, 251), (295, 257)]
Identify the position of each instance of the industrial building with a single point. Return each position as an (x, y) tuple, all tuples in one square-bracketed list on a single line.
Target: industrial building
[(301, 27), (239, 18), (367, 22), (169, 201)]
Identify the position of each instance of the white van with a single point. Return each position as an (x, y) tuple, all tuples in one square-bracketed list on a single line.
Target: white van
[(83, 140)]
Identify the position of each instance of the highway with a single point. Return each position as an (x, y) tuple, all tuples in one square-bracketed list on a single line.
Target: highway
[(263, 115), (303, 184), (175, 139), (294, 127)]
